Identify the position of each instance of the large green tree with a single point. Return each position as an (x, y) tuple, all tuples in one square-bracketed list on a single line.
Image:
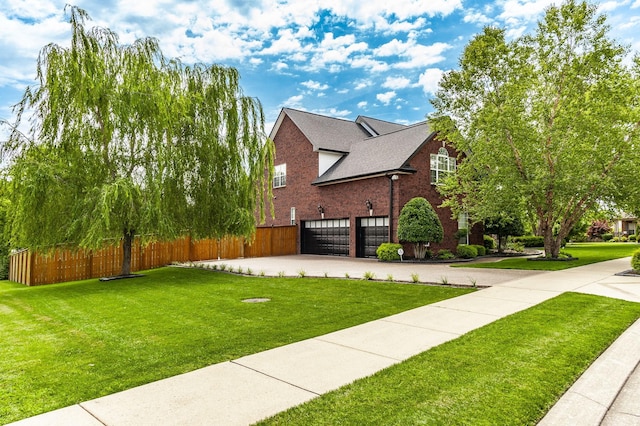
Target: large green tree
[(549, 121), (123, 141)]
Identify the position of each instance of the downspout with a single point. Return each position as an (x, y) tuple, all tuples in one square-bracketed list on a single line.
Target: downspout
[(391, 179)]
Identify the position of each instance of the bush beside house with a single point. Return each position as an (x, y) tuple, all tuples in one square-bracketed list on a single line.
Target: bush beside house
[(388, 252)]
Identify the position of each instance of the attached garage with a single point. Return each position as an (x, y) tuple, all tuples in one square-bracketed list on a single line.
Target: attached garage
[(371, 232), (327, 236)]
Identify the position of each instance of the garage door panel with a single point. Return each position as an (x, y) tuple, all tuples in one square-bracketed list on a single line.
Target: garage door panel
[(371, 232), (328, 236)]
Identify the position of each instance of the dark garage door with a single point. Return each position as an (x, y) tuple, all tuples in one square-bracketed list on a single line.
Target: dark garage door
[(328, 236), (372, 231)]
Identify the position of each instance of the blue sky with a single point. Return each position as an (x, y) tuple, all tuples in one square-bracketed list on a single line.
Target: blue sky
[(344, 58)]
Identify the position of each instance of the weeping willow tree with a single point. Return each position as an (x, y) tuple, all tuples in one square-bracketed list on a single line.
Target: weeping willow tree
[(122, 141)]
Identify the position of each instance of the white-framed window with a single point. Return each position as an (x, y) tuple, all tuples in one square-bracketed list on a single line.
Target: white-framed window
[(441, 165), (293, 215), (280, 176), (463, 220)]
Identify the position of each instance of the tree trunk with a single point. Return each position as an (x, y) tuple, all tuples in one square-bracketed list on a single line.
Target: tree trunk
[(551, 244), (500, 244), (127, 243)]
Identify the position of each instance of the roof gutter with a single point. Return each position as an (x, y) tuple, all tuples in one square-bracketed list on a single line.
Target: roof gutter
[(388, 173)]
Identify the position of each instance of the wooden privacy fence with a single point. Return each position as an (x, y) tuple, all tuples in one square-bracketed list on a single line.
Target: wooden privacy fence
[(62, 265)]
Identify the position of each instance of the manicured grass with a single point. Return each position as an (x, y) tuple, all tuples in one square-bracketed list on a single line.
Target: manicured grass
[(66, 343), (508, 372), (585, 252)]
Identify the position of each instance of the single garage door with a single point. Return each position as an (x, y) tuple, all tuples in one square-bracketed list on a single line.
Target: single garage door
[(327, 236), (371, 232)]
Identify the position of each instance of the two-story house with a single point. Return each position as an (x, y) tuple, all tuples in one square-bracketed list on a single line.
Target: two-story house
[(343, 183)]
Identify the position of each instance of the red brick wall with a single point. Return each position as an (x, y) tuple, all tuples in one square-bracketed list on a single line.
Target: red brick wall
[(347, 200)]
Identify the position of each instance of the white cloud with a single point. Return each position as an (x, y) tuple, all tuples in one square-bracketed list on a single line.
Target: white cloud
[(394, 47), (280, 66), (363, 104), (294, 102), (395, 27), (367, 11), (415, 55), (315, 85), (474, 17), (609, 6), (396, 83), (369, 64), (516, 11), (429, 80), (334, 53), (333, 112), (363, 84), (386, 97), (285, 42)]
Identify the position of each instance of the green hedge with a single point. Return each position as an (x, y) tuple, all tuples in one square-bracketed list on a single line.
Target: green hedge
[(529, 240), (466, 251), (388, 252), (481, 249)]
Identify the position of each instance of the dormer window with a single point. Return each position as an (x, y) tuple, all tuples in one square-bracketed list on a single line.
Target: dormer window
[(280, 176), (441, 166)]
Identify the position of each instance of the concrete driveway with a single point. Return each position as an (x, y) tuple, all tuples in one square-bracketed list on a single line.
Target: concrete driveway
[(341, 267)]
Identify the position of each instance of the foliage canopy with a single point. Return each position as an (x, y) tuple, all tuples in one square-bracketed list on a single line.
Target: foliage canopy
[(124, 141), (550, 122), (418, 223), (503, 226)]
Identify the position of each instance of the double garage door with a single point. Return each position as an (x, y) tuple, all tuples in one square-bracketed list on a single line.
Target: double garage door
[(331, 236)]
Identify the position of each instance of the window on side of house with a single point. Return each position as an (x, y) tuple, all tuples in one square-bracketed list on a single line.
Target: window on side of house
[(441, 165), (463, 220), (280, 176)]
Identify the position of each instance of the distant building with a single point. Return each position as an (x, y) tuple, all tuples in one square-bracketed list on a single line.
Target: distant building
[(343, 183), (624, 226)]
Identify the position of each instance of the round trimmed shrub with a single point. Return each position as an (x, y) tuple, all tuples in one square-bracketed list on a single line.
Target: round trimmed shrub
[(635, 260), (607, 237), (388, 252), (419, 224), (466, 251), (481, 249), (489, 242)]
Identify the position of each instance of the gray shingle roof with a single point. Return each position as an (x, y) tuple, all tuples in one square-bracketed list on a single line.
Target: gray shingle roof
[(381, 155), (327, 133), (387, 151), (381, 127)]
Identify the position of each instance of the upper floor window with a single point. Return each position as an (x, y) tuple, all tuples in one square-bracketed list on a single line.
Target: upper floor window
[(441, 165), (280, 176)]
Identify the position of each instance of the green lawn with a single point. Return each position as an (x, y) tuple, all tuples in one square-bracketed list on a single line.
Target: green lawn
[(66, 343), (508, 372), (585, 252)]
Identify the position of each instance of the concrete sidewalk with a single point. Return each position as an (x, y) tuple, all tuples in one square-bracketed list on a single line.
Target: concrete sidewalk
[(253, 387)]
